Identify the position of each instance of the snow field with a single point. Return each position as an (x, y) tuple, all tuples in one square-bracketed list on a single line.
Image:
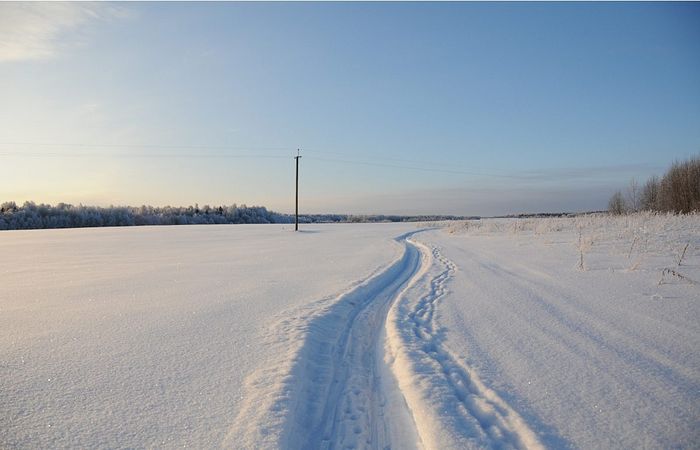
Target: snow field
[(143, 337), (599, 356), (525, 333)]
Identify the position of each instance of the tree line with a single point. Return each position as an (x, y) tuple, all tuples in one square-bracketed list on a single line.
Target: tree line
[(35, 216), (31, 215), (677, 191)]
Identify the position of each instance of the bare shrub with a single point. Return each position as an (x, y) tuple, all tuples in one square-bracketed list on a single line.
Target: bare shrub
[(650, 194), (583, 245), (634, 197), (617, 204), (679, 259), (634, 241)]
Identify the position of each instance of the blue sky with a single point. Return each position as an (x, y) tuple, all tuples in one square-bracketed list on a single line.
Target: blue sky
[(409, 108)]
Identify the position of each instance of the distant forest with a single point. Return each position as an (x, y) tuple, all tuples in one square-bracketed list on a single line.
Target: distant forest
[(33, 216)]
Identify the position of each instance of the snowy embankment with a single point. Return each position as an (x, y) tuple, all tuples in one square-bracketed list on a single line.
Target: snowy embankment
[(577, 332)]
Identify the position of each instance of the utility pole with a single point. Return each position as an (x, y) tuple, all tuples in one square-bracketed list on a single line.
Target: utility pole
[(296, 209)]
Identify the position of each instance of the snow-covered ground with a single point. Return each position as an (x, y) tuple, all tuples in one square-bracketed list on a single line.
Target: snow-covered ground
[(599, 356), (495, 333), (143, 336)]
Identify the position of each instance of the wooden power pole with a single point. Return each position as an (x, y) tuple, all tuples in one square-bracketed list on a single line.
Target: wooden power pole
[(296, 208)]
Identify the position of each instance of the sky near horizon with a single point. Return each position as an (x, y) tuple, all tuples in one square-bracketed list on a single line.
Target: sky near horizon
[(399, 108)]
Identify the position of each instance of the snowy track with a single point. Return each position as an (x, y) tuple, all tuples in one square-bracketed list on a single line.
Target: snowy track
[(342, 403), (451, 407), (374, 372)]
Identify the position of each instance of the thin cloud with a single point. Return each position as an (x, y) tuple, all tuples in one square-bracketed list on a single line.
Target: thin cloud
[(588, 173), (472, 201), (39, 31)]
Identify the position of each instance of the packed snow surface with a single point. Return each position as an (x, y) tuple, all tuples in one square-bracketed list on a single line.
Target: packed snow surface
[(523, 333)]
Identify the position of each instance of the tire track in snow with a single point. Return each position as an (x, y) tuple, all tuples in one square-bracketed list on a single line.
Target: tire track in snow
[(340, 401), (374, 372), (451, 406)]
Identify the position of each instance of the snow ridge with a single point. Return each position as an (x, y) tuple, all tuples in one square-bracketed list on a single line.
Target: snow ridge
[(451, 407)]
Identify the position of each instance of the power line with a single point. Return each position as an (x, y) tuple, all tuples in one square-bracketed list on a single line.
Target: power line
[(385, 158), (413, 161), (423, 169), (138, 155), (198, 147), (253, 153), (194, 147)]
